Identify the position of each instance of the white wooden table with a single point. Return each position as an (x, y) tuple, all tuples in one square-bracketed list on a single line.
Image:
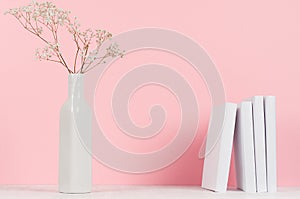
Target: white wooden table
[(137, 192)]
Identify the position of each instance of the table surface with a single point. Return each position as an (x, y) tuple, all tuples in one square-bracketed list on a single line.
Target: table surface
[(138, 192)]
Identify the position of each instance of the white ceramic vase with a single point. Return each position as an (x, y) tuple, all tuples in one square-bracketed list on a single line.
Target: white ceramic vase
[(75, 162)]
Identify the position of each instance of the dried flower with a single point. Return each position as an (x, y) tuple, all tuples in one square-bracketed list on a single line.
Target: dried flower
[(38, 17)]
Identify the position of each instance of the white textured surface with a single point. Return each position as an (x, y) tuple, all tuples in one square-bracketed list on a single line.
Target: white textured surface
[(138, 192)]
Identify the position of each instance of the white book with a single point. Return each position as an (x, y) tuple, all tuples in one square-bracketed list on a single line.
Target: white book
[(259, 143), (217, 160), (270, 128), (244, 148)]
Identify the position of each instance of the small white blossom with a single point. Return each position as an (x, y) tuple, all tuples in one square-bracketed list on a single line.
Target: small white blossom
[(113, 50), (44, 53), (92, 56), (39, 30)]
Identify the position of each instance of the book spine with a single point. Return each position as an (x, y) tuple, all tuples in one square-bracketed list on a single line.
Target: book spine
[(270, 129), (259, 143), (244, 148)]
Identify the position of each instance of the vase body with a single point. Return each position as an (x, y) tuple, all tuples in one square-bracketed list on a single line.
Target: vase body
[(75, 162)]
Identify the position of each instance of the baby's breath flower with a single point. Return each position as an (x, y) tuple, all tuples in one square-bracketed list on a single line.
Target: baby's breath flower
[(113, 50), (53, 46), (39, 17), (44, 53), (39, 30), (92, 55)]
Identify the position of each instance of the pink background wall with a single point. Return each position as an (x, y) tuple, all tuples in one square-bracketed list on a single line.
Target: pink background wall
[(255, 45)]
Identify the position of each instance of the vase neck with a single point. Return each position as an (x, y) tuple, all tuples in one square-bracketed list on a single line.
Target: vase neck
[(75, 85)]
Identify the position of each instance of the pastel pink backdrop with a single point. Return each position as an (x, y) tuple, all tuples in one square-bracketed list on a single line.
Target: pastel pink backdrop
[(255, 45)]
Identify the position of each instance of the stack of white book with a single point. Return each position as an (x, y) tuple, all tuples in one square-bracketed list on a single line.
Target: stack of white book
[(250, 128)]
